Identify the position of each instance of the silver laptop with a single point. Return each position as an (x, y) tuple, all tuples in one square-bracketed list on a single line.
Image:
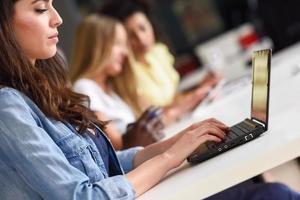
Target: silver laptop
[(249, 128)]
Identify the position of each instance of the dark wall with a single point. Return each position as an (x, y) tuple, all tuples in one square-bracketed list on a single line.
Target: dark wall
[(281, 20), (70, 14)]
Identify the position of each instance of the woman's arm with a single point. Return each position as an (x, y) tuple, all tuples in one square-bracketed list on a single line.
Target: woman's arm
[(160, 147), (155, 149), (185, 102), (169, 154)]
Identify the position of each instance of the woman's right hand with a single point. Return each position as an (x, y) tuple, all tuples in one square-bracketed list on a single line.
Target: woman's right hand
[(192, 137), (153, 162), (200, 93)]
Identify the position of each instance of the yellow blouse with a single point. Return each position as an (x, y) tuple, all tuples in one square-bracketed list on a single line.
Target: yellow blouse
[(157, 81)]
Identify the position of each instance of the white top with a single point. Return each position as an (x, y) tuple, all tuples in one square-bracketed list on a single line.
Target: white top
[(111, 105)]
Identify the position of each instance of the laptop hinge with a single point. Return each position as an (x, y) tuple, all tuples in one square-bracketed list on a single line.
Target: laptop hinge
[(258, 122)]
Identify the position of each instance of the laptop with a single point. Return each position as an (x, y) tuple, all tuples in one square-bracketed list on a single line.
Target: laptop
[(249, 128)]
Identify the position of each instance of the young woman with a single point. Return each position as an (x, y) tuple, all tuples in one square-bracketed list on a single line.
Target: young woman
[(152, 67), (99, 55), (51, 145)]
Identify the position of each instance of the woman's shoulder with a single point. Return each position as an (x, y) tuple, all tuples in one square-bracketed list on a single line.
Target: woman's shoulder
[(14, 104), (12, 96), (162, 51), (84, 84), (88, 87), (91, 89), (84, 81), (161, 48), (9, 93), (12, 99)]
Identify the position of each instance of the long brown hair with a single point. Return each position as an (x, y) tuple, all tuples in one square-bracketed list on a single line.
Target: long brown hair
[(45, 83)]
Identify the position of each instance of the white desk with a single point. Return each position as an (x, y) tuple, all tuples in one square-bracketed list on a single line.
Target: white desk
[(278, 145)]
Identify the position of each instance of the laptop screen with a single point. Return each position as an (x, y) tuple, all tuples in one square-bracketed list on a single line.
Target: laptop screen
[(260, 85)]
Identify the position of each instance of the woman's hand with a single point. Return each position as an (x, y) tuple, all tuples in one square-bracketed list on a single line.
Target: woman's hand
[(195, 97), (186, 102), (201, 92), (146, 130), (156, 160), (192, 137), (211, 79)]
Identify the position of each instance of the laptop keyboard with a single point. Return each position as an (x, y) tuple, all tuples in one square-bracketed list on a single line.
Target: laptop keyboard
[(240, 129)]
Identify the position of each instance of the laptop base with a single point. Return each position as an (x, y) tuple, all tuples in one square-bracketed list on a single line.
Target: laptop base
[(240, 133)]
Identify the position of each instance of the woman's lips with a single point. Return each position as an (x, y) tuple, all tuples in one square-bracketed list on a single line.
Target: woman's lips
[(54, 38)]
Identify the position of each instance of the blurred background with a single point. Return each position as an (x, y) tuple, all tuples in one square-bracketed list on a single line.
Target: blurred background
[(205, 32)]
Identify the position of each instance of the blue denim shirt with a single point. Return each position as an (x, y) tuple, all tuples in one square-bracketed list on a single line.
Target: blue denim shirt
[(41, 158)]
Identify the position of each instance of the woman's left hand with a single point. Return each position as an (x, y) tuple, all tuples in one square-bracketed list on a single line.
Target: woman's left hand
[(146, 130)]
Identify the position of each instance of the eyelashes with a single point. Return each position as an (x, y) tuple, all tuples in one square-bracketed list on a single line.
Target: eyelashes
[(40, 11)]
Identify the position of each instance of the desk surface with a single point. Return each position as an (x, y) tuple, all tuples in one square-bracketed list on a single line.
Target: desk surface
[(278, 145)]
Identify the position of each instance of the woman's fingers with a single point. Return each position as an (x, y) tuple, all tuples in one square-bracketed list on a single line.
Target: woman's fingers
[(154, 128), (221, 126), (148, 114), (211, 121), (196, 135), (151, 112), (217, 132), (211, 130), (216, 122), (212, 138), (156, 123), (145, 114), (202, 91)]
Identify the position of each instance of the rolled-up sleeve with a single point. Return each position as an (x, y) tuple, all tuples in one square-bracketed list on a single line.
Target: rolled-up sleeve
[(126, 158), (40, 163)]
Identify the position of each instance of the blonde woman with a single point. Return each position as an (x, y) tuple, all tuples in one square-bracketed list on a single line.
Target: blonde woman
[(99, 55)]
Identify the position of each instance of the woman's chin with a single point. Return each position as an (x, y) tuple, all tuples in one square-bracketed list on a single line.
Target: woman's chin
[(116, 73), (142, 52), (48, 54)]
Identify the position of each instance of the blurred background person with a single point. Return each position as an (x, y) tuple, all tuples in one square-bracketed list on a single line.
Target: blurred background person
[(99, 55)]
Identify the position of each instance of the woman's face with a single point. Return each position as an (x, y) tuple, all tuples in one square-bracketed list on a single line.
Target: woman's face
[(140, 33), (119, 51), (35, 24)]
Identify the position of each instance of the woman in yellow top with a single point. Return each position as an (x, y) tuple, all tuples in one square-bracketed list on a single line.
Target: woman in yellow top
[(153, 77), (156, 77)]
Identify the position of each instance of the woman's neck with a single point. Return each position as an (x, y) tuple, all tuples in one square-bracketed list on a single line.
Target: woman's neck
[(102, 81), (142, 59)]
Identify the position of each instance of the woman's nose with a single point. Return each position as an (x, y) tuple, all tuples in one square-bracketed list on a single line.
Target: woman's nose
[(56, 20)]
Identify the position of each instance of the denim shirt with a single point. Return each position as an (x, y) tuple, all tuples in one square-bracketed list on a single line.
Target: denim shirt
[(42, 158)]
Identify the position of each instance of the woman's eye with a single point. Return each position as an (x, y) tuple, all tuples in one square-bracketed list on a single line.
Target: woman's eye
[(142, 28), (40, 10)]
